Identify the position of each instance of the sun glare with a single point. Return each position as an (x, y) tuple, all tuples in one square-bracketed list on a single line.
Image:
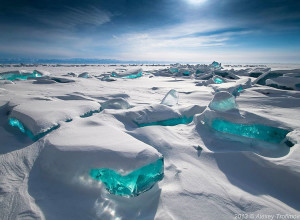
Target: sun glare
[(196, 2)]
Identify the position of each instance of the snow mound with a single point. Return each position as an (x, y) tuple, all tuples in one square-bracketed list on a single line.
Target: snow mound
[(72, 151), (84, 75), (157, 115), (71, 74), (266, 137), (62, 80), (284, 82), (40, 116), (42, 72)]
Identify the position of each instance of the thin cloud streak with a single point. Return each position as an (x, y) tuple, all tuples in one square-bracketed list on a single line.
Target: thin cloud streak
[(71, 17)]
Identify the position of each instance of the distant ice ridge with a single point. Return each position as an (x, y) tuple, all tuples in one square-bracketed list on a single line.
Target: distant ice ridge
[(22, 75), (171, 98)]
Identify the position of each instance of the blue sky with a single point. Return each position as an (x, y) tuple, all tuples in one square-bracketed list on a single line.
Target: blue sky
[(259, 31)]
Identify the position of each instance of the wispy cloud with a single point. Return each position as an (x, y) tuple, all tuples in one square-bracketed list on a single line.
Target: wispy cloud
[(185, 35), (71, 17)]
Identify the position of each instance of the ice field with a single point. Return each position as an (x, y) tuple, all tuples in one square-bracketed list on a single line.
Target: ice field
[(149, 141)]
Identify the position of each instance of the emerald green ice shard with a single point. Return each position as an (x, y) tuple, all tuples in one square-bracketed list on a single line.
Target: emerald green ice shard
[(174, 70), (262, 132), (240, 89), (90, 113), (13, 76), (169, 122), (237, 91), (218, 80), (132, 184), (128, 76), (16, 123)]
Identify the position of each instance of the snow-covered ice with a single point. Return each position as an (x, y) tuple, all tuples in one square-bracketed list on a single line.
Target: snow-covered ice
[(101, 142)]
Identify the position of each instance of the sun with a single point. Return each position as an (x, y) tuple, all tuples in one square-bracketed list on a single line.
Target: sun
[(196, 2)]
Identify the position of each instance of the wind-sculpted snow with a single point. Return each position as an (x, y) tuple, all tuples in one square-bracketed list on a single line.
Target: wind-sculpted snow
[(224, 148), (284, 82), (16, 123), (40, 116), (72, 151), (132, 184)]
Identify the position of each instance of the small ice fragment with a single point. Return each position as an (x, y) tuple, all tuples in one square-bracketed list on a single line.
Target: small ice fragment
[(171, 98), (215, 65), (223, 101), (117, 103), (16, 123), (84, 75), (218, 80)]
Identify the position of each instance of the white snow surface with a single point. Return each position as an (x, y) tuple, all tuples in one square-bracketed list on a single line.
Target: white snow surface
[(39, 116), (207, 175), (94, 145)]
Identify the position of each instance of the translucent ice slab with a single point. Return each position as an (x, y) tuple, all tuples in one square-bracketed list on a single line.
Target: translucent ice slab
[(223, 101), (262, 132), (218, 80), (132, 184), (169, 122), (171, 98)]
